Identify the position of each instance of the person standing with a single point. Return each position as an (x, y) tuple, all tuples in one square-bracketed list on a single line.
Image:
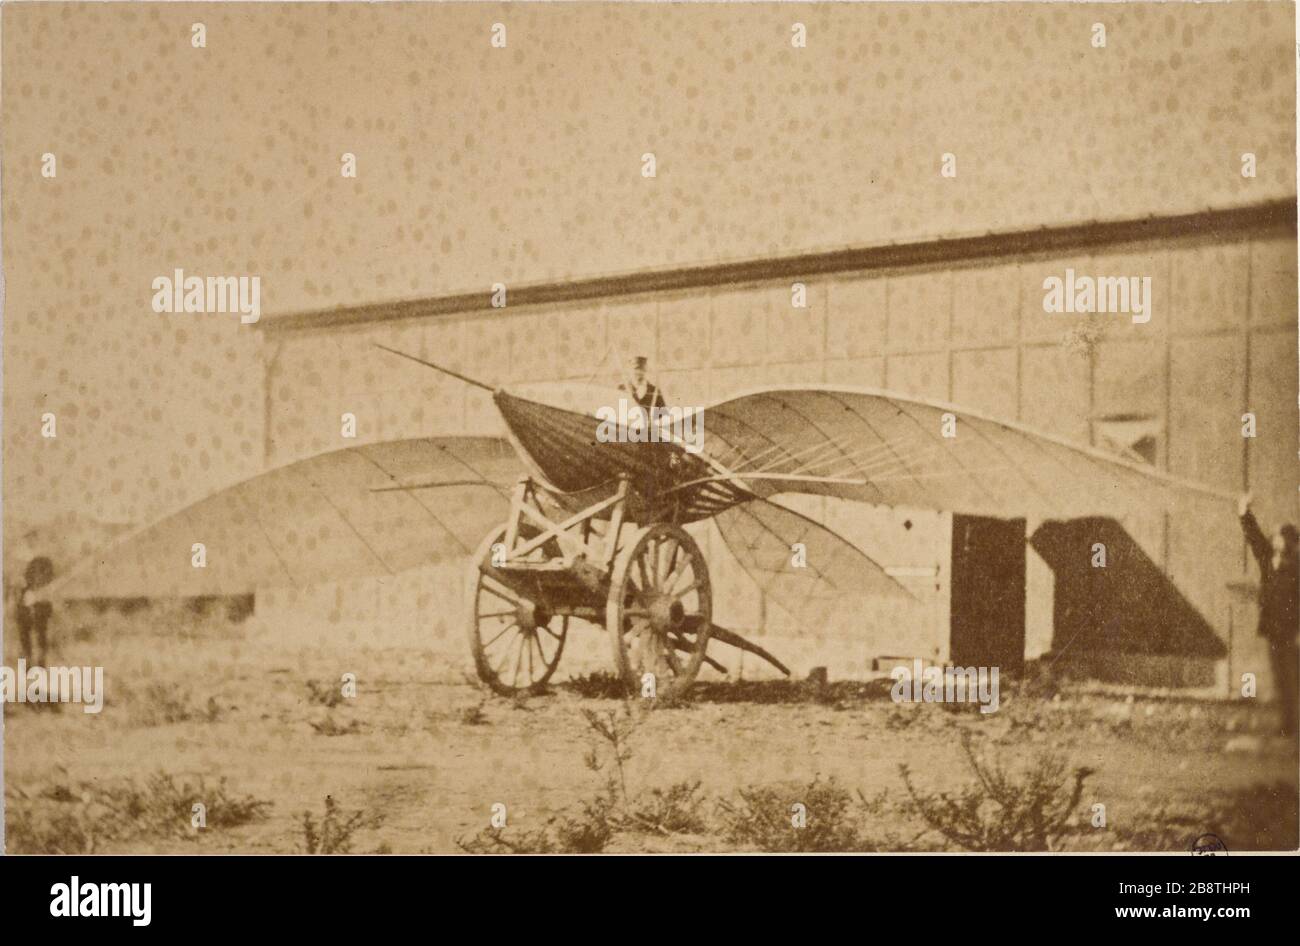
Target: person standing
[(1279, 607), (650, 401), (33, 611), (646, 394)]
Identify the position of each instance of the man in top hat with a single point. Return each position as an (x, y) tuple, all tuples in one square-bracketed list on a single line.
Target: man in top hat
[(649, 398), (1279, 607), (639, 386)]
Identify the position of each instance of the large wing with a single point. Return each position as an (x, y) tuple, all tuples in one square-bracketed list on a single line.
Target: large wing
[(885, 449), (371, 510), (762, 536)]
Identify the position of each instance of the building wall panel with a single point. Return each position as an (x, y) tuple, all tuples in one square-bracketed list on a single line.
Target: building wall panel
[(856, 372), (730, 382), (691, 388), (1272, 456), (534, 354), (922, 376), (986, 381), (487, 349), (796, 334), (1129, 379), (855, 317), (1037, 325), (685, 334), (1209, 287), (919, 311), (1273, 283), (1055, 386), (1130, 264), (1207, 386), (739, 327), (581, 344), (986, 306)]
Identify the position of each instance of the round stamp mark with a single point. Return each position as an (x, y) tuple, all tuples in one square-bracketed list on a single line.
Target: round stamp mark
[(1209, 844)]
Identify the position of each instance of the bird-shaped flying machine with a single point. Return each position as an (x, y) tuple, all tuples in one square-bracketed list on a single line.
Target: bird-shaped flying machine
[(570, 521)]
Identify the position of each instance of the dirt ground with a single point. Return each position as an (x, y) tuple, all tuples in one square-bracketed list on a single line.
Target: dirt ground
[(205, 710)]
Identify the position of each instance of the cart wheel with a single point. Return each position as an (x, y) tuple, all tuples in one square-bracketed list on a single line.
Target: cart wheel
[(516, 643), (660, 611)]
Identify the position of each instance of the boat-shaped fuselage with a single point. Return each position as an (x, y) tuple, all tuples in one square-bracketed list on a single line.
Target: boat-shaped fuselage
[(584, 453)]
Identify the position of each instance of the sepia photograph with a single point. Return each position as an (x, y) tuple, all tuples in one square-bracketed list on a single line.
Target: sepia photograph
[(649, 428)]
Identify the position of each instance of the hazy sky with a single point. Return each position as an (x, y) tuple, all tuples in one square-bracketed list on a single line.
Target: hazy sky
[(478, 165)]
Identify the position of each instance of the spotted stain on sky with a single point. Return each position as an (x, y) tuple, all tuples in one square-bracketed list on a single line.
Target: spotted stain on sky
[(479, 165)]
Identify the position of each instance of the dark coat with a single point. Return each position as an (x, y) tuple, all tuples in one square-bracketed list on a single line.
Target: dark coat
[(652, 397)]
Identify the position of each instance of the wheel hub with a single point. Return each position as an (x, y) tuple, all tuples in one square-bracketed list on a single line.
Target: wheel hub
[(665, 613), (531, 616)]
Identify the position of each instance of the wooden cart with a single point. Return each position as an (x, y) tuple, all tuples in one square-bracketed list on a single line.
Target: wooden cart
[(566, 558)]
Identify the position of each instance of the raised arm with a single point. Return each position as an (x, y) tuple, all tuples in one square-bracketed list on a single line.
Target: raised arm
[(1255, 538)]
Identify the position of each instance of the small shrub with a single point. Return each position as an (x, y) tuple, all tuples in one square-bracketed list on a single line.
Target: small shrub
[(330, 726), (591, 830), (162, 807), (33, 830), (239, 608), (474, 715), (1002, 810), (674, 810), (616, 729), (497, 841), (588, 831), (325, 694), (58, 792), (200, 604), (601, 685), (86, 819), (332, 834), (764, 819), (163, 704), (900, 716)]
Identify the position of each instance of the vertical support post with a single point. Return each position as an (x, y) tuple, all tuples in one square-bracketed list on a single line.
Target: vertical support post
[(615, 522), (516, 506)]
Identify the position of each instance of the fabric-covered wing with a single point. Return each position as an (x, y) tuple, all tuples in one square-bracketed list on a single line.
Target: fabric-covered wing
[(330, 517), (762, 534), (895, 449)]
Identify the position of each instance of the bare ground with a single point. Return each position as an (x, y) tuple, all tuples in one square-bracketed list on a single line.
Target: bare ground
[(200, 709)]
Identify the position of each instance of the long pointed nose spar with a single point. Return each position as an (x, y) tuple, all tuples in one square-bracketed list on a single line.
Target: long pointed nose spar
[(429, 364)]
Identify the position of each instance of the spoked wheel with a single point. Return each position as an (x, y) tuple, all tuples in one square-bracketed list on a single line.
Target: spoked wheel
[(660, 611), (516, 643)]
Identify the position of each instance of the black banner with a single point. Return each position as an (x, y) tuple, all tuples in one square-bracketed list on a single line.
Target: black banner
[(335, 894)]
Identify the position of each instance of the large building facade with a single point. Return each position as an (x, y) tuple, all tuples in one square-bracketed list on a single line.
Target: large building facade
[(1204, 389)]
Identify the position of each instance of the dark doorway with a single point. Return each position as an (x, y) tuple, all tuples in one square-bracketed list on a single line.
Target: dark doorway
[(988, 593)]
